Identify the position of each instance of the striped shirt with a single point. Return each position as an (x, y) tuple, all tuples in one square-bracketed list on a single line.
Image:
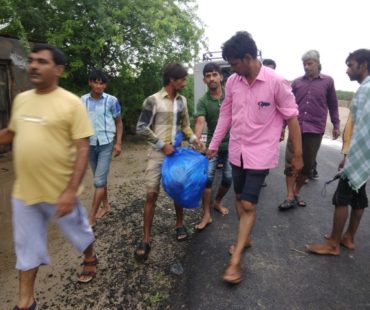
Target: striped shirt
[(161, 118), (102, 112)]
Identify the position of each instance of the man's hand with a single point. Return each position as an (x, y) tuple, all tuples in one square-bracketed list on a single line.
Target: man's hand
[(211, 153), (199, 145), (117, 149), (66, 203), (342, 162), (336, 133), (168, 149), (297, 164)]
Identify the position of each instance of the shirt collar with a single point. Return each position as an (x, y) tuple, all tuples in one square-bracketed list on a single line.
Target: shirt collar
[(164, 93), (103, 96), (261, 76), (222, 96)]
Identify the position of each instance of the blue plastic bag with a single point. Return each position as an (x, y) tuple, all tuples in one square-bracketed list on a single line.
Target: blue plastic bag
[(184, 176)]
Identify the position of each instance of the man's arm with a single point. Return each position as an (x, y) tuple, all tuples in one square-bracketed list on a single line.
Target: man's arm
[(119, 132), (199, 125), (333, 110), (296, 138), (6, 136), (67, 199)]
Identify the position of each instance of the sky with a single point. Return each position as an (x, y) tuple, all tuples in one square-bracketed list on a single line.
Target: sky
[(285, 29)]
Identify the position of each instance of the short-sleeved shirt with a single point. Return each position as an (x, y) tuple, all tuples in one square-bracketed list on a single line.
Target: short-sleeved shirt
[(315, 98), (209, 107), (254, 114), (103, 112), (46, 127)]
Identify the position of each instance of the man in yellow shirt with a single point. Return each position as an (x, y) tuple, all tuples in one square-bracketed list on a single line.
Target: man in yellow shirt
[(49, 128)]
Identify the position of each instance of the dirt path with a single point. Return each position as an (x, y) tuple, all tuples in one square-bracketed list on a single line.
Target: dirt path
[(121, 283)]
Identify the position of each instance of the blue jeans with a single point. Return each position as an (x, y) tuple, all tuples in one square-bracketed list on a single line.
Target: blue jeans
[(222, 157), (100, 157)]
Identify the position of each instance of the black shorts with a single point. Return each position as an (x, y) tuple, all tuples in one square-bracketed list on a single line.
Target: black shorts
[(248, 182), (345, 195)]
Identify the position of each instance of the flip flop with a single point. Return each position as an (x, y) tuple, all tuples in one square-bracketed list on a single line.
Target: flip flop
[(32, 307), (142, 251), (88, 274), (288, 204), (181, 233), (300, 202)]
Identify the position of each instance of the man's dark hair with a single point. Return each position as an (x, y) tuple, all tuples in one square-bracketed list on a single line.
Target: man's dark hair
[(98, 75), (173, 71), (211, 67), (58, 57), (269, 62), (361, 56), (238, 45)]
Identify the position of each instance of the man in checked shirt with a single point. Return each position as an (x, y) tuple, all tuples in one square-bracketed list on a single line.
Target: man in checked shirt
[(163, 115)]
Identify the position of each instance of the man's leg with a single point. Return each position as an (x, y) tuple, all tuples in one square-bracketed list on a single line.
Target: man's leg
[(98, 198), (103, 158), (225, 183), (207, 195), (331, 245), (151, 198), (290, 179), (348, 239), (222, 191), (239, 212), (26, 287), (206, 219), (247, 218), (181, 233), (106, 207)]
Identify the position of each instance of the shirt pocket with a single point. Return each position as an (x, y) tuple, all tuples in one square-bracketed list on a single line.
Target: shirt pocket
[(261, 112)]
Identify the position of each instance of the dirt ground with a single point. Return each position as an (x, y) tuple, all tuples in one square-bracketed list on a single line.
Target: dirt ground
[(121, 283)]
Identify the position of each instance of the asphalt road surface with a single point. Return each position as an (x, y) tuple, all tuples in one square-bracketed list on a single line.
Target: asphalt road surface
[(278, 273)]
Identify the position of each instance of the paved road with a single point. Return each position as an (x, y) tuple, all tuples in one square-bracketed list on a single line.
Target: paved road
[(278, 273)]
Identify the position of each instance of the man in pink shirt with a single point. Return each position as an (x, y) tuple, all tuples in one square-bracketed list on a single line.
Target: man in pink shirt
[(257, 101)]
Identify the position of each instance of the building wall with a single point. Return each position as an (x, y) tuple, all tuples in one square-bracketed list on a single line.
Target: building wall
[(13, 77)]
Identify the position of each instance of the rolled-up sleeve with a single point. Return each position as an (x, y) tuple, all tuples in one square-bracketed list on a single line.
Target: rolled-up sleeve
[(285, 100)]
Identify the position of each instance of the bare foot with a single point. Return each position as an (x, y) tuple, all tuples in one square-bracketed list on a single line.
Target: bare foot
[(220, 209), (204, 223), (327, 248), (233, 274), (247, 245), (346, 241), (92, 222), (103, 212)]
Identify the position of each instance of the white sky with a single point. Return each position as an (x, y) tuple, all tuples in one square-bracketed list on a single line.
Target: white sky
[(285, 29)]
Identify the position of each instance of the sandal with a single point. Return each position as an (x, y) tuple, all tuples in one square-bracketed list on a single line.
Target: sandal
[(88, 275), (181, 233), (142, 251), (32, 307), (288, 204), (234, 277), (300, 202)]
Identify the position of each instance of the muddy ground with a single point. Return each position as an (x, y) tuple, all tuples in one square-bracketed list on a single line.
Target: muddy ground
[(121, 283)]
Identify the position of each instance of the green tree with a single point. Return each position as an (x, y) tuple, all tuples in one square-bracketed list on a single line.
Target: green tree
[(130, 39)]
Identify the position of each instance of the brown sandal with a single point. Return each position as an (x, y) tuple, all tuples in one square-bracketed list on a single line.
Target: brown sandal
[(88, 275)]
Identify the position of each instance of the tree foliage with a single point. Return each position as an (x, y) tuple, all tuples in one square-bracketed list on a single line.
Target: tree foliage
[(130, 39)]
